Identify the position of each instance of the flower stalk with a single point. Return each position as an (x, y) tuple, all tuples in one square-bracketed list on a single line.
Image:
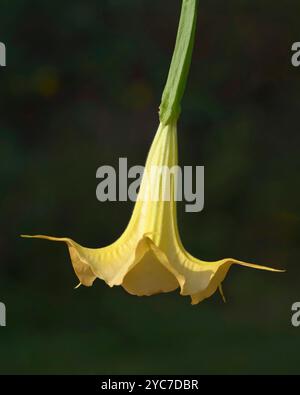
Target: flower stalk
[(169, 109)]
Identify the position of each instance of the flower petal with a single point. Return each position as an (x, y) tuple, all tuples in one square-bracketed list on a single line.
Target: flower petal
[(80, 265), (109, 263), (210, 275), (152, 274)]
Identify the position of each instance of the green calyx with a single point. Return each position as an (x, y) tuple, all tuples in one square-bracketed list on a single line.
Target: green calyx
[(169, 109)]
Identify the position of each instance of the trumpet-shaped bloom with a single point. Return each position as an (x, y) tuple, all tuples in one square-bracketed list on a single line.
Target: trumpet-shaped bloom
[(149, 257)]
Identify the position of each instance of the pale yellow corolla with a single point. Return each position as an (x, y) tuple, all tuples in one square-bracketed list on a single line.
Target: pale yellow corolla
[(149, 257)]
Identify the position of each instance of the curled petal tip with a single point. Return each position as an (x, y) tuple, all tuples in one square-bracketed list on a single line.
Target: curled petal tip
[(255, 266), (65, 239), (222, 293)]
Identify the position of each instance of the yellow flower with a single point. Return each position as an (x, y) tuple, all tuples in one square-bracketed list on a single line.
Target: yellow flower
[(149, 257)]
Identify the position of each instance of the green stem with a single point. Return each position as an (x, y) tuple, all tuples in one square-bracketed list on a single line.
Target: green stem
[(169, 109)]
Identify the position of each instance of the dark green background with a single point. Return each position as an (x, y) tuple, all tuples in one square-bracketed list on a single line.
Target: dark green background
[(81, 89)]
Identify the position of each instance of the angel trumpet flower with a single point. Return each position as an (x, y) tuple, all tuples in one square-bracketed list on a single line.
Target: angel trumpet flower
[(149, 257)]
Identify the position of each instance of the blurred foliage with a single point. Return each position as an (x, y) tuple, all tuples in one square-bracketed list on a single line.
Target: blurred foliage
[(81, 89)]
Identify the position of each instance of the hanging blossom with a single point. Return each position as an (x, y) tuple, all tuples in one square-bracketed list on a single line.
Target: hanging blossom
[(149, 257)]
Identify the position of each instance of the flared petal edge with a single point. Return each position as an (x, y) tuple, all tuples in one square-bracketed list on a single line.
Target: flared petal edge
[(218, 276), (198, 279)]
